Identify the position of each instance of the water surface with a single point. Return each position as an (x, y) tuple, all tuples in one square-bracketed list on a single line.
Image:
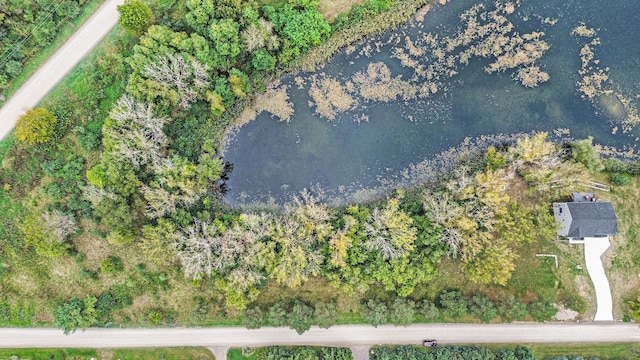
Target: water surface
[(274, 160)]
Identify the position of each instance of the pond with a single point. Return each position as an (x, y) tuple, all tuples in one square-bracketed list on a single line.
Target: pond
[(389, 110)]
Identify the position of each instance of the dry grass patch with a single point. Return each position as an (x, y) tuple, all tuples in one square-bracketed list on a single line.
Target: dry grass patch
[(330, 9)]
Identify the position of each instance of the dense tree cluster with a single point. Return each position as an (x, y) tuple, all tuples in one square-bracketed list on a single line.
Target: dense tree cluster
[(451, 352), (26, 26)]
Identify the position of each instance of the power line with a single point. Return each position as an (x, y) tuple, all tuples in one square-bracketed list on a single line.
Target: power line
[(41, 23)]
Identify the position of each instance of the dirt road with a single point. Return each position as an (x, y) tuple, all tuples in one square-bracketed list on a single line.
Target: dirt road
[(58, 65), (345, 335)]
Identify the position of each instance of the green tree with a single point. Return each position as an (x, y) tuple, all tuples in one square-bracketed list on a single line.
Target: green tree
[(262, 60), (402, 311), (135, 16), (75, 314), (584, 152), (301, 317), (428, 310), (542, 309), (69, 316), (301, 26), (326, 314), (277, 314), (225, 37), (511, 309), (453, 304), (483, 308), (36, 126), (374, 312), (254, 318)]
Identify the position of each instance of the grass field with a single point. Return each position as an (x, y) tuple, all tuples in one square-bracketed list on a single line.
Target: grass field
[(177, 353)]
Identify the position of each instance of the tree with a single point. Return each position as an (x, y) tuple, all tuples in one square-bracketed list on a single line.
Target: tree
[(326, 314), (374, 312), (453, 304), (135, 16), (301, 317), (254, 318), (389, 231), (428, 310), (157, 242), (542, 309), (76, 313), (483, 308), (69, 316), (511, 309), (402, 311), (277, 314), (189, 78), (47, 241), (135, 134), (262, 60), (36, 126), (584, 152), (301, 25)]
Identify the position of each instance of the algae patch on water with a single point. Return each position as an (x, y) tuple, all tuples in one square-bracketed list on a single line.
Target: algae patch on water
[(596, 85)]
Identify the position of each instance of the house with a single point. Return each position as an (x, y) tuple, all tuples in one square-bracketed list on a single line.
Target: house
[(585, 217)]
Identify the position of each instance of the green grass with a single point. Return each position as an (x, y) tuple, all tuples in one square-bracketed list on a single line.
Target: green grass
[(602, 350), (177, 353), (52, 354), (64, 33), (236, 354)]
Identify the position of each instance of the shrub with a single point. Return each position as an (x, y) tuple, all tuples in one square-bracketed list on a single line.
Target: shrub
[(111, 264), (620, 179), (36, 126)]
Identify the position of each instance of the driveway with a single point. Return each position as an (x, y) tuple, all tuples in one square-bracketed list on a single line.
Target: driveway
[(593, 250), (58, 65)]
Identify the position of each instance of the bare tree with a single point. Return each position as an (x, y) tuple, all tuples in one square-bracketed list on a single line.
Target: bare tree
[(389, 231), (60, 225), (95, 195), (188, 77), (441, 208), (137, 133), (198, 248), (453, 238)]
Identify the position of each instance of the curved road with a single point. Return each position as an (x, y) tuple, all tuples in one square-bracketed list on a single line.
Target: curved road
[(344, 335), (58, 65)]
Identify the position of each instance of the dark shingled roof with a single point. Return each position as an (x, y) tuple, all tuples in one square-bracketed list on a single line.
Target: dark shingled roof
[(592, 219)]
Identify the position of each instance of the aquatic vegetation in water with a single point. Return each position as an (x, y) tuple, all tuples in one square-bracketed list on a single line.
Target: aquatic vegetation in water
[(330, 97), (484, 34), (596, 85), (274, 101)]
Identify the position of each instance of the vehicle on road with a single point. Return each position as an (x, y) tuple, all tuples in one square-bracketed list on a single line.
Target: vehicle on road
[(430, 343)]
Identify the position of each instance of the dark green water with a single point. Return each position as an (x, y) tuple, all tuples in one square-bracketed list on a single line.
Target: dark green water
[(274, 160)]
